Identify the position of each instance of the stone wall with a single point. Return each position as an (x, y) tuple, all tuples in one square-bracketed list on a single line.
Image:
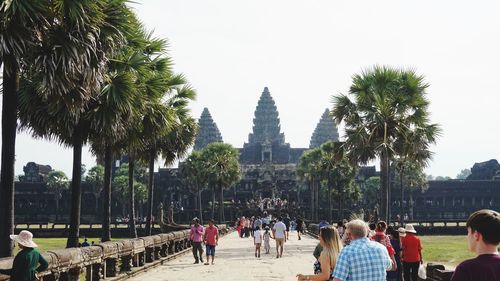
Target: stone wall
[(113, 259)]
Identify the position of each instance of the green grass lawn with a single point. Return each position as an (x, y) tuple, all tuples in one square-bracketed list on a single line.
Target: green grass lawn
[(448, 250), (47, 244)]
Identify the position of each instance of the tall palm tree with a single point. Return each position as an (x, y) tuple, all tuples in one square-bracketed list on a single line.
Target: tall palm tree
[(222, 169), (308, 170), (62, 95), (387, 103)]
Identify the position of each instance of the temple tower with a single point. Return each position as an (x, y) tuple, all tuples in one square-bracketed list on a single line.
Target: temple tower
[(266, 124), (326, 130), (208, 131)]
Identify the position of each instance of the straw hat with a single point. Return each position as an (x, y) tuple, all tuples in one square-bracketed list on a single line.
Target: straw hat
[(409, 228), (24, 238)]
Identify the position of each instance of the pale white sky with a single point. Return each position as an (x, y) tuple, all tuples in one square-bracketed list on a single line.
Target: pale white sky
[(307, 51)]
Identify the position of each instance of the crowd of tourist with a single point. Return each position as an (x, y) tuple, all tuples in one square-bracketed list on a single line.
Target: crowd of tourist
[(351, 251)]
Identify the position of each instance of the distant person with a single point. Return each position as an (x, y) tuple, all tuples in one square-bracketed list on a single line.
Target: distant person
[(267, 238), (196, 237), (28, 261), (341, 228), (323, 267), (411, 253), (363, 259), (279, 234), (396, 245), (483, 238), (299, 227), (257, 241), (286, 221), (322, 224), (85, 243), (211, 240), (384, 239)]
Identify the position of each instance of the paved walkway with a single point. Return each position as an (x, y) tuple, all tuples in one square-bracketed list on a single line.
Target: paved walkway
[(235, 260)]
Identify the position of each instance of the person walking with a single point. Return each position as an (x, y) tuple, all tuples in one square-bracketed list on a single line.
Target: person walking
[(411, 253), (267, 238), (196, 237), (363, 259), (257, 241), (323, 268), (28, 261), (483, 238), (211, 239), (396, 245), (279, 234), (299, 228)]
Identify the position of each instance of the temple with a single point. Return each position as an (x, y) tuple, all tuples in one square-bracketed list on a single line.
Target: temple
[(268, 165)]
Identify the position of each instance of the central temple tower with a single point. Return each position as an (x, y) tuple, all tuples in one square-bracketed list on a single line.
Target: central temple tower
[(266, 143)]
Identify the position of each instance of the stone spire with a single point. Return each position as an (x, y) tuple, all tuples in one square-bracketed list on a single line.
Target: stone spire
[(266, 124), (207, 131), (326, 130)]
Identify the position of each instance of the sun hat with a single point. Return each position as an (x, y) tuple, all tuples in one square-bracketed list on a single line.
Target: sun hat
[(24, 238), (409, 228)]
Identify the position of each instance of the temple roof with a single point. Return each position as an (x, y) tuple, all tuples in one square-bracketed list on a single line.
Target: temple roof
[(208, 131), (326, 130), (266, 124)]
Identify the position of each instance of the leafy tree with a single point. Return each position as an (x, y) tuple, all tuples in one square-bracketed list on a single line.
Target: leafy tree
[(57, 182), (191, 174), (221, 170), (442, 178), (339, 175), (464, 173), (408, 177), (95, 178), (387, 104), (309, 170), (370, 190)]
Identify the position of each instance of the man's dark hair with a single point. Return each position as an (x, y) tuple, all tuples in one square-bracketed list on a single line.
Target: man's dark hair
[(372, 226), (486, 222), (280, 218), (211, 220)]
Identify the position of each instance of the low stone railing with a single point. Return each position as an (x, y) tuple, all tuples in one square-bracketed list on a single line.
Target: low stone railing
[(112, 259), (435, 272)]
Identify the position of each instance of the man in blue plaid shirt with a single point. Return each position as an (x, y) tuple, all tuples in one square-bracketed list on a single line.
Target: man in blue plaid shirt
[(362, 260)]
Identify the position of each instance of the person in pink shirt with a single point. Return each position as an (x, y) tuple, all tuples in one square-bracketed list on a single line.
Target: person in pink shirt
[(196, 237), (211, 239)]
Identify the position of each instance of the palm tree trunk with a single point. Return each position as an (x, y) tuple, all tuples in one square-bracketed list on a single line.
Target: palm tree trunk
[(401, 175), (317, 186), (106, 209), (57, 209), (76, 192), (149, 222), (200, 205), (213, 202), (329, 202), (221, 204), (9, 131), (132, 228), (311, 186), (384, 189)]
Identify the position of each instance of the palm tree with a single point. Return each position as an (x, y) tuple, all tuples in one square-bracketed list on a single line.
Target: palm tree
[(57, 182), (308, 170), (387, 104), (221, 169), (55, 111)]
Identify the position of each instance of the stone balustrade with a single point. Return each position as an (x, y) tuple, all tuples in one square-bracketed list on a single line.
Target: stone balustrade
[(111, 259), (434, 272)]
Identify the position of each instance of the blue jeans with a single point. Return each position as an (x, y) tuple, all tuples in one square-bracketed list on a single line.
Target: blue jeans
[(210, 250)]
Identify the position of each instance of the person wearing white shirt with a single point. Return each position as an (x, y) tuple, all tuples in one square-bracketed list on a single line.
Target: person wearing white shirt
[(279, 232), (257, 241)]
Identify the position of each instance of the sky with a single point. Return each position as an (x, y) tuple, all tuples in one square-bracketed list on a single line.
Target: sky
[(307, 51)]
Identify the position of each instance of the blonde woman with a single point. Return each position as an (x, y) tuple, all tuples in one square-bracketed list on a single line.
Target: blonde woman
[(330, 241)]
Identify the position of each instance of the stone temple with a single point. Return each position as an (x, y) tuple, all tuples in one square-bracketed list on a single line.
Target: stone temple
[(268, 165)]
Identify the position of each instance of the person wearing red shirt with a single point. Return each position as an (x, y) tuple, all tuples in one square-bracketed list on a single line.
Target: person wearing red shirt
[(483, 237), (411, 253), (211, 239)]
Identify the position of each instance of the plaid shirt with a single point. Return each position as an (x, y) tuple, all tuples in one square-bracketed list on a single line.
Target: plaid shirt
[(362, 260)]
